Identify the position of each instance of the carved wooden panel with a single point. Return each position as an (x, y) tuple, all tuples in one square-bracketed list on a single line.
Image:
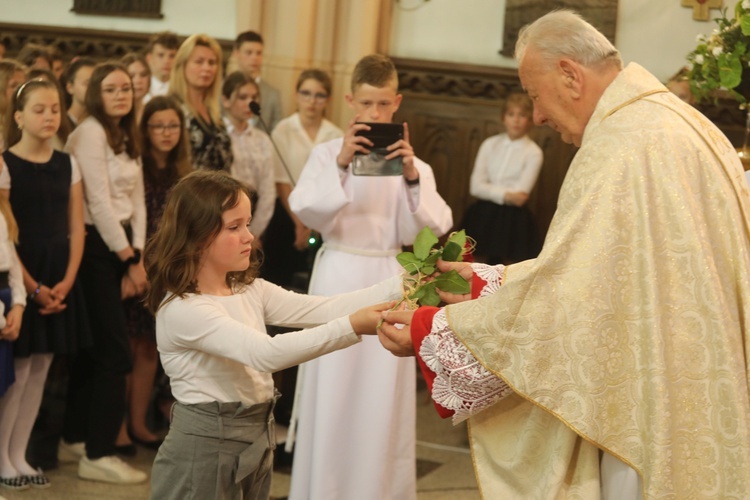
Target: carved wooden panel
[(98, 44), (452, 108)]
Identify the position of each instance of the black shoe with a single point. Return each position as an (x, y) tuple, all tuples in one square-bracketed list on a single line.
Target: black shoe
[(152, 445), (126, 450)]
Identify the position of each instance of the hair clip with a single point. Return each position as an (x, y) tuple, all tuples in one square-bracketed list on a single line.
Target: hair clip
[(23, 85)]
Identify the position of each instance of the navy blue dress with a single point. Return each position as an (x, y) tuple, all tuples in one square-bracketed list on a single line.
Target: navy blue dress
[(39, 196)]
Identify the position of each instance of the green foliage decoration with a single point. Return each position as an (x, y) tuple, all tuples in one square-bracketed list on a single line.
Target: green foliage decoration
[(419, 266), (721, 60)]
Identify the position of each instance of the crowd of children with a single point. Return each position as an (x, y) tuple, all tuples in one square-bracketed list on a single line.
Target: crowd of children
[(153, 162)]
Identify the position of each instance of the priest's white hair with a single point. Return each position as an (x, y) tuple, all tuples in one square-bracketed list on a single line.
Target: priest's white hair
[(565, 34)]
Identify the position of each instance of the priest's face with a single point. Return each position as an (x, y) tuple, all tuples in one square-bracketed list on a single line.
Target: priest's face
[(554, 98)]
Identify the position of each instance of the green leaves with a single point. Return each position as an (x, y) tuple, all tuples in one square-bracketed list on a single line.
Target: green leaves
[(720, 61), (421, 264), (730, 70), (424, 242)]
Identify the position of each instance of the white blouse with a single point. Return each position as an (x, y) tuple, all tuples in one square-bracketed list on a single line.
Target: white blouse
[(216, 348), (295, 145), (504, 165), (113, 186)]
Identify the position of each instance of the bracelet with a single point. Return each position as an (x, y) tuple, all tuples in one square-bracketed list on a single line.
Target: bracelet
[(36, 292), (412, 183)]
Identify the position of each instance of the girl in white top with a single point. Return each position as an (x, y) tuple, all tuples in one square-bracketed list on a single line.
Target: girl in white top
[(107, 148), (252, 149), (505, 171), (12, 303), (287, 238), (210, 316)]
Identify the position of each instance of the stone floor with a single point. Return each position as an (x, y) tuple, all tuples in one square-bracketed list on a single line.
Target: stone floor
[(444, 468)]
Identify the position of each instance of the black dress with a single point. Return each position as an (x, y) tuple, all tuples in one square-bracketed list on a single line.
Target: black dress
[(504, 233), (141, 322), (39, 196)]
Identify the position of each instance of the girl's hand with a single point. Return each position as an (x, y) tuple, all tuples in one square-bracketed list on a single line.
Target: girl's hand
[(48, 303), (365, 321), (516, 198), (127, 288), (137, 274), (61, 290), (12, 323)]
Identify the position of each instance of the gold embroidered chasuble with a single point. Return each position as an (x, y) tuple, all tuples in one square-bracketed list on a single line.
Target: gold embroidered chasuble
[(629, 332)]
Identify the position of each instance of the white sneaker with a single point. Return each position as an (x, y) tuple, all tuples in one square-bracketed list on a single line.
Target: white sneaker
[(109, 469), (70, 452)]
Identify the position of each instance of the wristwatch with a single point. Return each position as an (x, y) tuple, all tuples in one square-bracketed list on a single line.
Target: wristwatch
[(135, 259)]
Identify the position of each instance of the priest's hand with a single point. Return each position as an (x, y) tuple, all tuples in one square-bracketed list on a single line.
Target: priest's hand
[(395, 339), (466, 272)]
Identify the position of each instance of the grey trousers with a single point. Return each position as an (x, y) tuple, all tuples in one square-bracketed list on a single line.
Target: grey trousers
[(216, 451)]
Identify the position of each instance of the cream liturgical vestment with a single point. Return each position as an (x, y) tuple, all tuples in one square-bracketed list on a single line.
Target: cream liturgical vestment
[(629, 332)]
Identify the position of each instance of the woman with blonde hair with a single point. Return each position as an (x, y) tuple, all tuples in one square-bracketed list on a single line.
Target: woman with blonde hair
[(196, 81)]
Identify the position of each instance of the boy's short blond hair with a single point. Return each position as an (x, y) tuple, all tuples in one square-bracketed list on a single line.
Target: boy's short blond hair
[(518, 100), (376, 70)]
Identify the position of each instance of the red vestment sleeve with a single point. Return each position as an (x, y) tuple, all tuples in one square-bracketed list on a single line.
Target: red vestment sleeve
[(421, 324), (477, 285)]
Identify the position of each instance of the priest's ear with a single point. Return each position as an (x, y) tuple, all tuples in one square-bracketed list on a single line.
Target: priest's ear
[(571, 73)]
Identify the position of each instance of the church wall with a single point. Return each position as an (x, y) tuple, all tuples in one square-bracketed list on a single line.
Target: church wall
[(656, 34), (451, 74), (214, 17)]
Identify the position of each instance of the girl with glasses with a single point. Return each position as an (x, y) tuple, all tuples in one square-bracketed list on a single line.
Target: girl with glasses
[(287, 238), (106, 145)]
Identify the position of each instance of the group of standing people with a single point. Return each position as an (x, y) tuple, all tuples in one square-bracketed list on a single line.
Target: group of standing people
[(139, 125), (78, 220), (610, 365)]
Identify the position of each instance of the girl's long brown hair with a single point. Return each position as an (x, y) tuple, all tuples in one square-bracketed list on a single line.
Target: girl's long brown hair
[(191, 221), (123, 136)]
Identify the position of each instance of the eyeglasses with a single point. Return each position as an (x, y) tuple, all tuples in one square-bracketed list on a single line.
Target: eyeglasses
[(160, 128), (307, 95), (115, 91)]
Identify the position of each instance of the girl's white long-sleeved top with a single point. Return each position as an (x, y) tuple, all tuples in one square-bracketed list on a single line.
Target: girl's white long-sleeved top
[(215, 348), (504, 165), (9, 262), (112, 186)]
